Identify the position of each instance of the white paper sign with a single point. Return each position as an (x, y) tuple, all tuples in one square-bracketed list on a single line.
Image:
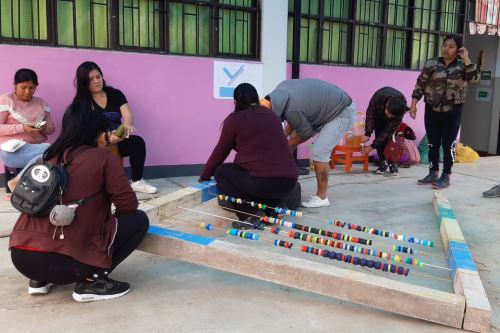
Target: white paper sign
[(228, 75)]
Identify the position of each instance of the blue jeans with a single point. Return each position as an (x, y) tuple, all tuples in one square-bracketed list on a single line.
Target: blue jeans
[(23, 155)]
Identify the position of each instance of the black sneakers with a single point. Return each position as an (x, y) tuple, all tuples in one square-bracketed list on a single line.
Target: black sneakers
[(393, 170), (38, 287), (382, 169), (429, 179), (442, 182), (100, 289)]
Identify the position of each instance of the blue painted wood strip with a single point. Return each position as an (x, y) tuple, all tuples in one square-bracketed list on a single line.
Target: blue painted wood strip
[(446, 211), (164, 232), (460, 258), (208, 190)]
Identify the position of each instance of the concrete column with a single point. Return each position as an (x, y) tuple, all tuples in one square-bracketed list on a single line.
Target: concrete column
[(495, 108), (273, 43)]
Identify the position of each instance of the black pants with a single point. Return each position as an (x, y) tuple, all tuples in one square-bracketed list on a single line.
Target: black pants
[(233, 180), (442, 130), (380, 125), (62, 269), (135, 148)]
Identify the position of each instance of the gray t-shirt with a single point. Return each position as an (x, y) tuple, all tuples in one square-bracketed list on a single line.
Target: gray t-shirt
[(308, 104)]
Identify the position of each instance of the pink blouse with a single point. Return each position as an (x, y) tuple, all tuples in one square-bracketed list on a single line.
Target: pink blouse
[(14, 113)]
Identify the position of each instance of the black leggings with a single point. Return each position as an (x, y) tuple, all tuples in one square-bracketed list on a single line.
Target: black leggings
[(380, 125), (442, 130), (62, 269), (233, 180), (135, 148)]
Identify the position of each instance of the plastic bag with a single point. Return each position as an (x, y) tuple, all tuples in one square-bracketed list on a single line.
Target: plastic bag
[(465, 154)]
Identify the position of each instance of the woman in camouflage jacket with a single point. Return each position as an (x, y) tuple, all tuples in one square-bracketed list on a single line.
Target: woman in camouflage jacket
[(443, 83)]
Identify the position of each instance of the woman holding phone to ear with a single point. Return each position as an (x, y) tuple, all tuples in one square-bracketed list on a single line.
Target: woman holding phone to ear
[(25, 118), (443, 83)]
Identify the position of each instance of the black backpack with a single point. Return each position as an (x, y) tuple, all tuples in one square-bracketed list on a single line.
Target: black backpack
[(41, 187)]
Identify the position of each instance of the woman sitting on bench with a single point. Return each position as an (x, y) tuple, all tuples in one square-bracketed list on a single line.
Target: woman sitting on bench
[(112, 103), (25, 121)]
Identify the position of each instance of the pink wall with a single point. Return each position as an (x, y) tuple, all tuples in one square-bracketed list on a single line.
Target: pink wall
[(171, 97), (361, 83)]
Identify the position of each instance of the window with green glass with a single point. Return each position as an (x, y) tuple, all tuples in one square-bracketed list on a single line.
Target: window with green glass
[(397, 13), (336, 42), (189, 29), (139, 23), (83, 23), (374, 33), (395, 48), (367, 46), (424, 47), (235, 29), (369, 11), (339, 9), (450, 17), (425, 13), (24, 19), (193, 27)]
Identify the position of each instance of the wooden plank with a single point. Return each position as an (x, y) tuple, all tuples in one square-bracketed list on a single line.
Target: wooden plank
[(467, 281), (151, 211), (168, 204), (358, 287), (478, 310)]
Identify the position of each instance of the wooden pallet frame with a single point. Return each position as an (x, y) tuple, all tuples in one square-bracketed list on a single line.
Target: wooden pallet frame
[(467, 308)]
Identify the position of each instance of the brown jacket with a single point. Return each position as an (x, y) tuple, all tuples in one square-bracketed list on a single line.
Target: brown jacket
[(90, 237)]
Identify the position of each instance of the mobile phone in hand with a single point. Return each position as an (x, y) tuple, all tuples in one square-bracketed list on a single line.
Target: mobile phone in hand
[(40, 124)]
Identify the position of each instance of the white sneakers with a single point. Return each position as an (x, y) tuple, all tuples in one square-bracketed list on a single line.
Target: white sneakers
[(315, 201), (143, 186)]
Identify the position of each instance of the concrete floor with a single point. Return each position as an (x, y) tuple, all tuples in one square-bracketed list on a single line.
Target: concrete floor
[(171, 296)]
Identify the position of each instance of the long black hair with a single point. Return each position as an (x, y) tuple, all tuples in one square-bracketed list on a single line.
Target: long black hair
[(25, 75), (245, 95), (82, 80), (80, 126)]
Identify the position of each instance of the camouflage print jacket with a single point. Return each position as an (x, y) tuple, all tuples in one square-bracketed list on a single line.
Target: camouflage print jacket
[(444, 86)]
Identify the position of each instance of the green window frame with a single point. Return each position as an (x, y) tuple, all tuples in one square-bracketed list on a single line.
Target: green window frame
[(398, 34), (217, 28), (24, 21)]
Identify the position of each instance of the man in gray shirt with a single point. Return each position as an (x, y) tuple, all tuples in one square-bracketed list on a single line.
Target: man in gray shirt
[(311, 107)]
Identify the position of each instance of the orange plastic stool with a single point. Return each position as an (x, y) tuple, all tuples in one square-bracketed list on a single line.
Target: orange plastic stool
[(344, 154)]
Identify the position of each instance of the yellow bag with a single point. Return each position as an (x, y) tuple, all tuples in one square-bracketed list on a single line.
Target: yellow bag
[(465, 154)]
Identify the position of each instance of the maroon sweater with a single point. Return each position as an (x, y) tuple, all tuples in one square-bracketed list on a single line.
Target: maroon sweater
[(89, 238), (260, 144)]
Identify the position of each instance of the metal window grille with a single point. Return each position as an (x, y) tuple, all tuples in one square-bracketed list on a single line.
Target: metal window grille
[(83, 23), (24, 21), (139, 23), (376, 33), (219, 28)]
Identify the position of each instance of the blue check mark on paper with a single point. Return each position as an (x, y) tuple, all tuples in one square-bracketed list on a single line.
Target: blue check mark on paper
[(235, 75)]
